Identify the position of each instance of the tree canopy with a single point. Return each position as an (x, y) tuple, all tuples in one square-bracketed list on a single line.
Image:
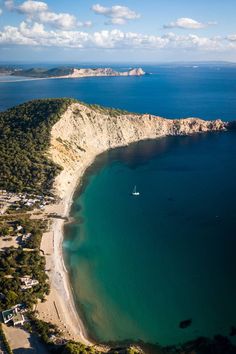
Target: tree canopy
[(24, 141)]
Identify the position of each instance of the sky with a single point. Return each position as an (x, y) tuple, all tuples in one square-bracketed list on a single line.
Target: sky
[(117, 30)]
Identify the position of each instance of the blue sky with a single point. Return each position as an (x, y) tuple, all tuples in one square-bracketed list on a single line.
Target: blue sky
[(114, 31)]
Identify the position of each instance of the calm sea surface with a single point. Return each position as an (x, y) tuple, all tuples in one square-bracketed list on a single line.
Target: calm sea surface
[(139, 266), (173, 91)]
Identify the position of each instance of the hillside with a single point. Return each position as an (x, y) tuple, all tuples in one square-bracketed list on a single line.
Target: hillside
[(40, 138), (43, 73), (48, 144), (67, 72), (24, 141)]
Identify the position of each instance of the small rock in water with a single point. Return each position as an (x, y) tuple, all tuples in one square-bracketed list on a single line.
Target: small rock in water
[(185, 323)]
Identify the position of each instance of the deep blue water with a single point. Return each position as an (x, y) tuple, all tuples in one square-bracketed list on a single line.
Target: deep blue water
[(172, 91), (141, 265)]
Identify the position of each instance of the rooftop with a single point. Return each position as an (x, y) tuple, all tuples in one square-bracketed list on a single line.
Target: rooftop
[(14, 315)]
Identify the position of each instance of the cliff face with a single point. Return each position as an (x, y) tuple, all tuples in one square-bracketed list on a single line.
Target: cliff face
[(105, 72), (136, 72), (66, 72), (84, 132)]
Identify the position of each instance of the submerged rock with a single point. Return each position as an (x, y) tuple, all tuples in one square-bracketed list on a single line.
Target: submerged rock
[(185, 323)]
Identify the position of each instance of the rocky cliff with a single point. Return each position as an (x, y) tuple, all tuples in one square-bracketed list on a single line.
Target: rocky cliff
[(84, 132), (67, 72), (105, 72)]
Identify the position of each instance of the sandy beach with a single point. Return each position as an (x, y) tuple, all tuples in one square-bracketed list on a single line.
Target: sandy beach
[(77, 138), (59, 307)]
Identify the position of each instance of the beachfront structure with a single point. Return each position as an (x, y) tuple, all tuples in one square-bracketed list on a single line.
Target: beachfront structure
[(25, 237), (28, 283), (13, 315)]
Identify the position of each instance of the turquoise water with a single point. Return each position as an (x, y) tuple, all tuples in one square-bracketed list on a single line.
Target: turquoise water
[(141, 265)]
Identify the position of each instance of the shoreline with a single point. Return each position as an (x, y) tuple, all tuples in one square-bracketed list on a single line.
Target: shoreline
[(24, 78), (76, 140), (60, 305)]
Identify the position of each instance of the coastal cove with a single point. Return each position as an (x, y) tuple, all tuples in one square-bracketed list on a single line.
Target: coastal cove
[(117, 177), (137, 268), (132, 255)]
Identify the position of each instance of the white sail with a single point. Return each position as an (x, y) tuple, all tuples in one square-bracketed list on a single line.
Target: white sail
[(135, 191)]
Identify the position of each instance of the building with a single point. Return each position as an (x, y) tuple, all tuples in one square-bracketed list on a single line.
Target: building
[(13, 315), (28, 283), (25, 237)]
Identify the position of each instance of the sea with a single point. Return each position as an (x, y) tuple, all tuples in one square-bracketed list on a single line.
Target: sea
[(140, 266)]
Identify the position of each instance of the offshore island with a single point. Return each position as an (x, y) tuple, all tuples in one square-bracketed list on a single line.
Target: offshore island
[(68, 73), (47, 146)]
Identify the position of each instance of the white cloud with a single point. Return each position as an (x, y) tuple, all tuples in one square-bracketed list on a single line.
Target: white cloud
[(0, 11), (38, 11), (117, 15), (35, 34), (28, 7), (231, 38), (31, 7), (84, 24), (188, 23), (60, 20), (116, 21), (192, 41)]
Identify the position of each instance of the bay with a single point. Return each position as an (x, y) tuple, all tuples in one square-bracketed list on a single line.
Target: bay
[(140, 266)]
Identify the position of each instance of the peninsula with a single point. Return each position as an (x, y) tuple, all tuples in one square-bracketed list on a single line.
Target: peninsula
[(68, 72), (47, 146)]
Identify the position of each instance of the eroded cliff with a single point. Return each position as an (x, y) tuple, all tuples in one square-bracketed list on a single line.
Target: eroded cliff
[(84, 132), (87, 72)]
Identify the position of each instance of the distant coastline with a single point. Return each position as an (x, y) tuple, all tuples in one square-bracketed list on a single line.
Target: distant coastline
[(67, 73)]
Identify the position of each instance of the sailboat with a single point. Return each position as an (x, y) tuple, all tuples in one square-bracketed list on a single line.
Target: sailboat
[(135, 193)]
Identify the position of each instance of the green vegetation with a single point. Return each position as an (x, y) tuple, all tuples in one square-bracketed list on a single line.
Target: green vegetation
[(6, 229), (202, 345), (77, 348), (4, 341), (24, 141), (113, 112), (34, 227), (25, 166), (14, 264), (72, 347), (43, 73), (45, 330)]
